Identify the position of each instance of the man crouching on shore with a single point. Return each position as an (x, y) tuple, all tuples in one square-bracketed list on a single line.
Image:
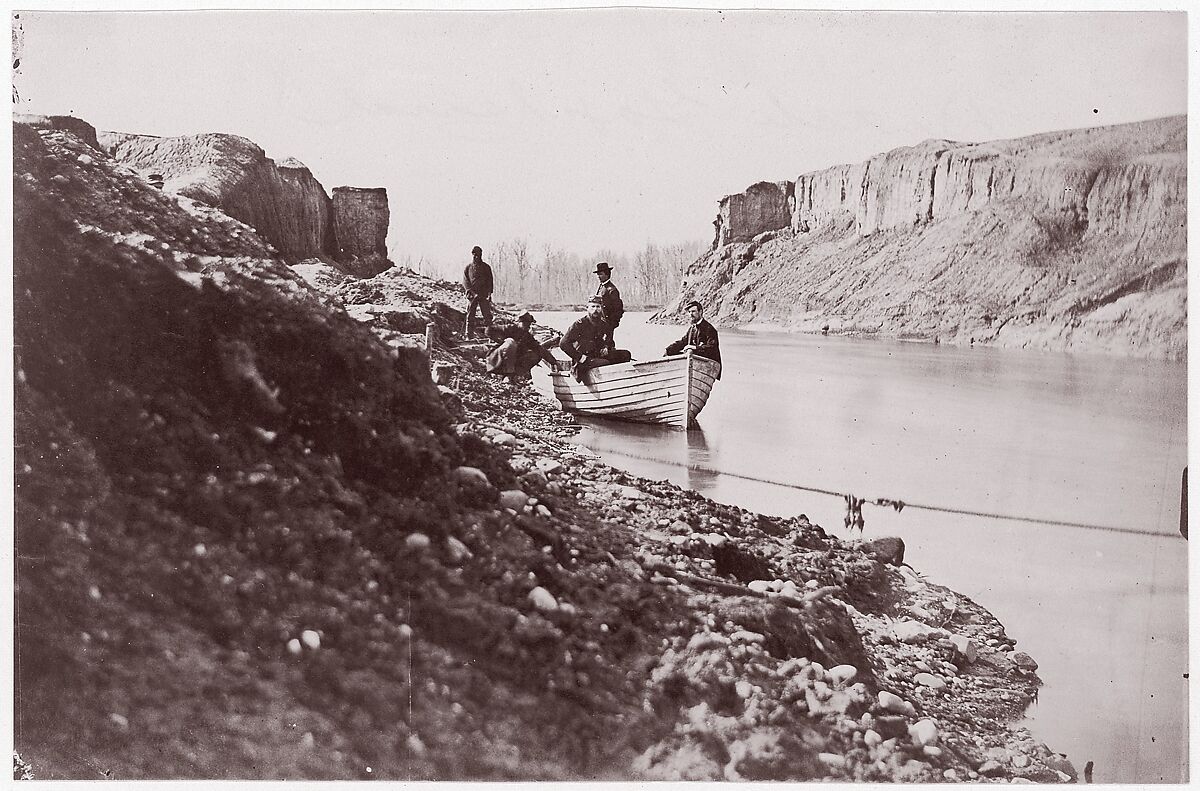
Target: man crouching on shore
[(586, 342)]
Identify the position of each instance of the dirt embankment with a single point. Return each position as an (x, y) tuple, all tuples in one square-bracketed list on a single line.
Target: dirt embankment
[(1069, 241), (255, 540)]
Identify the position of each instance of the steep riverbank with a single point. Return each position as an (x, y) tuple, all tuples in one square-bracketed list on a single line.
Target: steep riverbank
[(1065, 241), (255, 540)]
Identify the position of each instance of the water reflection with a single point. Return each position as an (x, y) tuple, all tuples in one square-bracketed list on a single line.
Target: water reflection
[(1075, 438)]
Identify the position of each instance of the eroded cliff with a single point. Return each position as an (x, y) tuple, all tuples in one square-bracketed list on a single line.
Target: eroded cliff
[(360, 219), (1070, 240), (283, 201)]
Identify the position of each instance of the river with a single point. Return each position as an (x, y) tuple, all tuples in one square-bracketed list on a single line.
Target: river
[(1082, 439)]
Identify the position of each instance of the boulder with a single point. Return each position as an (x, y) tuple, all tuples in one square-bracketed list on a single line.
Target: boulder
[(360, 223)]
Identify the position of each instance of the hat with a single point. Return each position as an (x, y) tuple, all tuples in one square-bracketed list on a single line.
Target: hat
[(526, 316), (693, 302), (603, 267), (476, 250), (596, 301)]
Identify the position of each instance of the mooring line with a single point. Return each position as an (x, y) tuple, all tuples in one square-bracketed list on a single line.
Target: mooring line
[(924, 507)]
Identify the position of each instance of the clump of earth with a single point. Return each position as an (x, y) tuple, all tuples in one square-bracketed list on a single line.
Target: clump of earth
[(256, 540)]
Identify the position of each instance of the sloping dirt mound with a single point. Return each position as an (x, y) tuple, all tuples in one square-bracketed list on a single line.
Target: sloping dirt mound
[(254, 540)]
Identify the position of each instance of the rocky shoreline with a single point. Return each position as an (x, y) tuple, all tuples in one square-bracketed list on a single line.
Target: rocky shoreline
[(941, 689), (264, 532)]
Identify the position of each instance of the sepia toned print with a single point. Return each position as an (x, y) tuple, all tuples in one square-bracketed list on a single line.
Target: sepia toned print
[(618, 394)]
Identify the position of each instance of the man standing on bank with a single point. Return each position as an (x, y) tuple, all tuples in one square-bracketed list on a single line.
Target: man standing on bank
[(477, 282), (700, 338), (610, 300)]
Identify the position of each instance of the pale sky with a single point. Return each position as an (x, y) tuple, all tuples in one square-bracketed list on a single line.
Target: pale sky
[(592, 129)]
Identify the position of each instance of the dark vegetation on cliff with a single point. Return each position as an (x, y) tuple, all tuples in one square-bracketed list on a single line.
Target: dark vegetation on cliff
[(1070, 240), (254, 540)]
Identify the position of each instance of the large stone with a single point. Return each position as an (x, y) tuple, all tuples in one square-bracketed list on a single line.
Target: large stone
[(360, 222), (964, 647)]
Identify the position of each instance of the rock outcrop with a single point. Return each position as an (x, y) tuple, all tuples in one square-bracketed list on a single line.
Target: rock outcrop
[(66, 123), (360, 221), (286, 205), (1069, 240), (283, 201)]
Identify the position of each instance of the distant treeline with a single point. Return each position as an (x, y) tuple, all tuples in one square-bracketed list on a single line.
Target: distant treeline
[(554, 276)]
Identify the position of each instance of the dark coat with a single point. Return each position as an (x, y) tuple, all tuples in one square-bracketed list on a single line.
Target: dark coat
[(585, 337), (703, 336), (477, 279), (614, 308)]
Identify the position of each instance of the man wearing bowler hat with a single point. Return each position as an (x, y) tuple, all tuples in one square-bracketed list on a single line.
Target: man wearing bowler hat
[(610, 300)]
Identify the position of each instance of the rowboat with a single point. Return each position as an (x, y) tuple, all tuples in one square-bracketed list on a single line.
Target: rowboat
[(670, 390)]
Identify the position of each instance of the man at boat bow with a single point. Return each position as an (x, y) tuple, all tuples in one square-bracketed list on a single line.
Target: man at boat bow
[(700, 338)]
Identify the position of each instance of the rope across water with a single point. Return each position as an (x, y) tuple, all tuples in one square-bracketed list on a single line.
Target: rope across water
[(922, 506)]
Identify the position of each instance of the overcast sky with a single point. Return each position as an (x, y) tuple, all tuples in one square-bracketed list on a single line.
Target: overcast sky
[(592, 129)]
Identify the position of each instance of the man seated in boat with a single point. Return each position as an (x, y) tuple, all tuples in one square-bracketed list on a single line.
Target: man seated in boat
[(586, 342), (700, 338), (518, 351)]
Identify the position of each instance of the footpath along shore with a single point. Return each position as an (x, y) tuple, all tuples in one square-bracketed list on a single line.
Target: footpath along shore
[(806, 656)]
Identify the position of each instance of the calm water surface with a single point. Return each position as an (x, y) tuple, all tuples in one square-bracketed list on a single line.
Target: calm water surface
[(1083, 439)]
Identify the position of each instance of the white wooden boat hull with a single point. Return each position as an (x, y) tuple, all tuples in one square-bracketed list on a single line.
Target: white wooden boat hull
[(670, 390)]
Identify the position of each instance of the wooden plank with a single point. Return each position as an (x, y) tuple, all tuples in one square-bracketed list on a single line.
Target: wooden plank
[(648, 384), (658, 391)]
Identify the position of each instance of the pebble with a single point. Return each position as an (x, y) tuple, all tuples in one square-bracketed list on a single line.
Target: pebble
[(199, 550), (931, 751), (840, 675), (543, 599), (1020, 760), (405, 631), (1023, 661), (813, 584), (832, 760), (514, 499), (743, 636), (84, 159), (759, 586), (307, 740), (929, 680), (744, 689), (417, 542), (294, 647), (543, 511), (94, 593), (470, 475), (991, 768), (119, 720), (923, 732), (911, 631), (59, 179), (549, 466), (457, 550), (310, 639), (871, 738), (950, 774), (536, 479), (414, 744), (889, 701), (504, 438), (714, 539)]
